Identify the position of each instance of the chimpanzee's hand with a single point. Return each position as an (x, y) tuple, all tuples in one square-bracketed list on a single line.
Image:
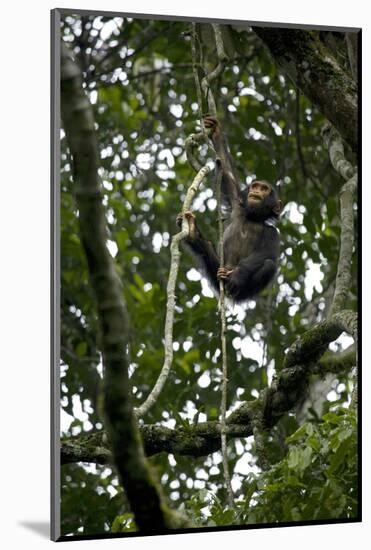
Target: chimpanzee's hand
[(212, 123), (224, 273), (191, 218)]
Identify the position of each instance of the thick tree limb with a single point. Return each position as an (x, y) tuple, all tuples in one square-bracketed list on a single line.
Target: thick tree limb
[(198, 440), (145, 497), (91, 448), (302, 360), (335, 147), (336, 363), (312, 344), (344, 269), (334, 144), (314, 70)]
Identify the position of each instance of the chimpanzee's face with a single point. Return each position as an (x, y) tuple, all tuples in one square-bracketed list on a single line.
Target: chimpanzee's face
[(258, 191)]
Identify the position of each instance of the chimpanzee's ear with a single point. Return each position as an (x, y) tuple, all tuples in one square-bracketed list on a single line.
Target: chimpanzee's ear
[(278, 208)]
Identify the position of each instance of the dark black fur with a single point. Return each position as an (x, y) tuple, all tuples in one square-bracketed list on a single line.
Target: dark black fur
[(251, 245)]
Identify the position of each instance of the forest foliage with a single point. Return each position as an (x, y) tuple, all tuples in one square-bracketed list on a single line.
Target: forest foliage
[(138, 76)]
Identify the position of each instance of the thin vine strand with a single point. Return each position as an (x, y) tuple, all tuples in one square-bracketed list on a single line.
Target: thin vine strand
[(223, 341), (209, 96)]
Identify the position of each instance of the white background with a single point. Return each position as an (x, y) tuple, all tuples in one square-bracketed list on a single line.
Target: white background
[(25, 266)]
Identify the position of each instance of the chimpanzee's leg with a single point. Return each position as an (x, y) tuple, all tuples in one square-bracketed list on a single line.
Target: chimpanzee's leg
[(207, 257), (263, 276), (250, 277)]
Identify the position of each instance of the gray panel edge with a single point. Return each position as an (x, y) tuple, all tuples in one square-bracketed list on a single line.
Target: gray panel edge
[(55, 467), (314, 26)]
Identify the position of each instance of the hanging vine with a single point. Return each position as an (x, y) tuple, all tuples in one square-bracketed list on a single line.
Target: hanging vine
[(193, 142), (171, 285), (205, 87)]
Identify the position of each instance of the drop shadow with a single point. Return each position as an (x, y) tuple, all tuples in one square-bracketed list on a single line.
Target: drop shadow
[(42, 528)]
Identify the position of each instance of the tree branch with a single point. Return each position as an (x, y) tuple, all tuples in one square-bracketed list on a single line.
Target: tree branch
[(314, 69), (336, 363), (302, 360), (335, 147), (312, 344), (148, 34), (344, 274), (198, 440), (145, 496)]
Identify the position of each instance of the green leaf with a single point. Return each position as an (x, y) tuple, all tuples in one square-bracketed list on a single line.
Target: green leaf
[(339, 456), (314, 443), (122, 238), (305, 429), (332, 418), (294, 458), (124, 523), (81, 349)]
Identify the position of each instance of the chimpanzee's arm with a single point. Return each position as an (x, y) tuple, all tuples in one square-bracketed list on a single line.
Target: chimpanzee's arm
[(202, 249), (230, 186)]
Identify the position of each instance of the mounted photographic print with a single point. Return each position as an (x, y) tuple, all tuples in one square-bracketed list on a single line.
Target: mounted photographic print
[(204, 288)]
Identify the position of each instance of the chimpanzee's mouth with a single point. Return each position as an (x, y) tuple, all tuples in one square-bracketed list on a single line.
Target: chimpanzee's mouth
[(255, 197)]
